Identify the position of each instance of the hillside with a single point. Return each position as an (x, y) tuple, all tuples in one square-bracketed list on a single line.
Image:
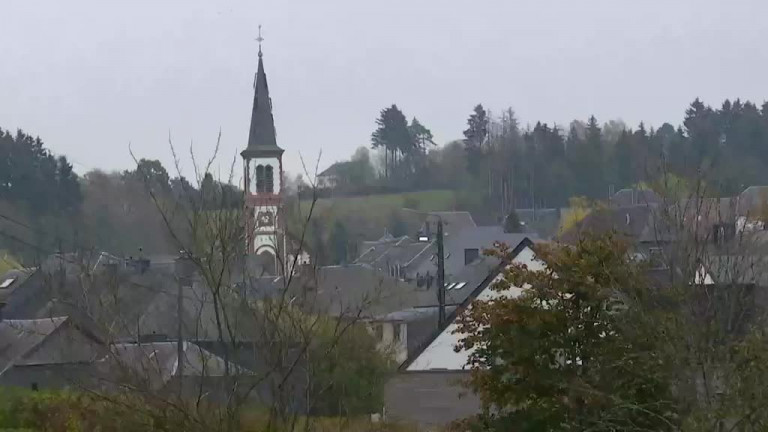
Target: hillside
[(365, 217), (376, 205)]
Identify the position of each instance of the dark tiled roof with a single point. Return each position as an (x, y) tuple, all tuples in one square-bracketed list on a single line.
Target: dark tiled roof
[(412, 314), (752, 198), (18, 337), (638, 223), (403, 251), (335, 169), (262, 139), (157, 362), (468, 298), (14, 279), (353, 289), (631, 197), (339, 291), (479, 238)]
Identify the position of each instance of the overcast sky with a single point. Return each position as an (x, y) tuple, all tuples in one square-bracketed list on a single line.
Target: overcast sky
[(90, 77)]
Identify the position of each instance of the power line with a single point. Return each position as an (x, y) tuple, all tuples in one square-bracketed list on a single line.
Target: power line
[(8, 218), (39, 231)]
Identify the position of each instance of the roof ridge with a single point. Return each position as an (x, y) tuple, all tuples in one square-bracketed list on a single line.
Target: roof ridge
[(428, 245), (525, 242)]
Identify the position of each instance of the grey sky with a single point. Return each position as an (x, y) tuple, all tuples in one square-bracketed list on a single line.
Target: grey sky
[(90, 77)]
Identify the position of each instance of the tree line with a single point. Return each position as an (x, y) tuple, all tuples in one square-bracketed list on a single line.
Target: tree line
[(45, 207), (545, 164)]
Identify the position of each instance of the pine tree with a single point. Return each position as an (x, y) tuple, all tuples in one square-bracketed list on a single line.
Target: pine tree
[(393, 135), (474, 137), (623, 160)]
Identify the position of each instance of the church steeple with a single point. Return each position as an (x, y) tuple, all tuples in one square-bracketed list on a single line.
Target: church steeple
[(263, 182), (262, 141)]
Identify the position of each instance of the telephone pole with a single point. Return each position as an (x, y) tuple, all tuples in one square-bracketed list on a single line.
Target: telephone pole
[(440, 265), (440, 275)]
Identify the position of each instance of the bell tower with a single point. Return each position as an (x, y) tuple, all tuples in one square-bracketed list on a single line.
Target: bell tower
[(263, 178)]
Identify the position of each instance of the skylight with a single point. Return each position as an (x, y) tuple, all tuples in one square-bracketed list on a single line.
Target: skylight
[(460, 285), (6, 283)]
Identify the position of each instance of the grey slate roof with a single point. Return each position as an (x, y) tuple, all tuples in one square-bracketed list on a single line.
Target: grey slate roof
[(470, 238), (335, 169), (412, 314), (632, 196), (353, 289), (157, 362), (468, 297), (262, 139), (18, 337), (15, 279), (639, 223), (752, 197), (401, 251)]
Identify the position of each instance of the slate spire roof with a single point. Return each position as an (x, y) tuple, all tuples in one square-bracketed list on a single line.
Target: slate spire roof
[(262, 141)]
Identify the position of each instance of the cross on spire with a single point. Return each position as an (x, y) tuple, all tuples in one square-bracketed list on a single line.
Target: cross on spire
[(259, 40)]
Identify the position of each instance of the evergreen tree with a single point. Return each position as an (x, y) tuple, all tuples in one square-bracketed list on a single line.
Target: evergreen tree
[(393, 136), (623, 161), (474, 137), (585, 157), (421, 135)]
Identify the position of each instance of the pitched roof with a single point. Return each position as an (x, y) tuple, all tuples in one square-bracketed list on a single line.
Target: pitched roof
[(334, 169), (18, 337), (353, 289), (479, 238), (639, 223), (157, 362), (472, 295), (633, 196), (12, 280), (262, 141), (401, 251)]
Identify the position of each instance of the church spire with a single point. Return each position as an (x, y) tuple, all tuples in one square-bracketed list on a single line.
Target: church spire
[(261, 139)]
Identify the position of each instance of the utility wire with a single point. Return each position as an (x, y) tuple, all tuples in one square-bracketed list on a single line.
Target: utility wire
[(39, 231)]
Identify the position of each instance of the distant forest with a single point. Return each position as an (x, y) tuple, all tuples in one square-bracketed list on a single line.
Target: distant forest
[(497, 166), (545, 165)]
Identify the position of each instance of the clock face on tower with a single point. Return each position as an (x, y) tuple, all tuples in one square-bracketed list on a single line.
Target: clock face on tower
[(265, 219)]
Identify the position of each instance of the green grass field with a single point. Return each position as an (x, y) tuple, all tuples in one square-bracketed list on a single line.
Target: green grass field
[(366, 217), (432, 200)]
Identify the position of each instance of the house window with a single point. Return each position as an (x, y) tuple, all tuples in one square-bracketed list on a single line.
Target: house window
[(398, 330), (470, 255), (270, 179), (656, 258), (260, 178)]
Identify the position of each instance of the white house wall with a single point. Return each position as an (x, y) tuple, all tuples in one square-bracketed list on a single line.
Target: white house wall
[(440, 354)]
